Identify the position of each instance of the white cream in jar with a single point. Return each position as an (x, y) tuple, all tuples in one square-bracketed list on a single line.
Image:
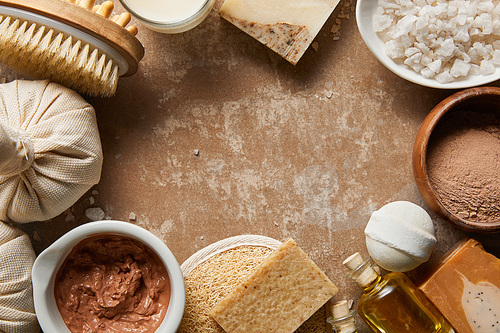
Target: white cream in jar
[(169, 16)]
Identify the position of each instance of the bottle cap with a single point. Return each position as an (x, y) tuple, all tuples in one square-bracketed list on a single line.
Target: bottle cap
[(360, 270), (340, 309), (354, 261), (343, 320)]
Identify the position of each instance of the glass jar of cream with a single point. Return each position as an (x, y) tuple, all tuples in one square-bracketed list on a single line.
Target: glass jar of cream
[(169, 16)]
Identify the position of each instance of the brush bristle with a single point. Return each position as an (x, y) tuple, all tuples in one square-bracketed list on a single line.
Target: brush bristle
[(43, 53)]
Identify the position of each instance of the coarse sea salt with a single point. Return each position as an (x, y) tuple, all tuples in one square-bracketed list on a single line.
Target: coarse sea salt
[(443, 40)]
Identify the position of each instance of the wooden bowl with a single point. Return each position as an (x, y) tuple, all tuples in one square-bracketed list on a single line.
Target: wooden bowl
[(477, 98)]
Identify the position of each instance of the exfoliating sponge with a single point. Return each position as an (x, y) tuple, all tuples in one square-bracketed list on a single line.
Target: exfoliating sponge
[(50, 150), (400, 236)]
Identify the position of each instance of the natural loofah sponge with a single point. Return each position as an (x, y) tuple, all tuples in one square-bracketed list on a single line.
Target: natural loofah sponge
[(278, 296), (400, 236), (50, 150), (17, 313)]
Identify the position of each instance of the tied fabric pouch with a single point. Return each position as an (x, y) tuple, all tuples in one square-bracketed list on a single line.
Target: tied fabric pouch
[(17, 313), (50, 150)]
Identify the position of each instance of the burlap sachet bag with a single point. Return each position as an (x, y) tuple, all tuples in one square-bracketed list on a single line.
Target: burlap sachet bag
[(50, 150), (17, 313)]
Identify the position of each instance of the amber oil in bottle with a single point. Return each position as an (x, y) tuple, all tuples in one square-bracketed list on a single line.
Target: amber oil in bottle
[(392, 303)]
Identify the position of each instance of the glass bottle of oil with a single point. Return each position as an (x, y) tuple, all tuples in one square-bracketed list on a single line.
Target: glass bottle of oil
[(341, 319), (392, 303)]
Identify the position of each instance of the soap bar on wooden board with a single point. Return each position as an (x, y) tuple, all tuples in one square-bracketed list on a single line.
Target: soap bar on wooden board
[(286, 26), (282, 293), (465, 287)]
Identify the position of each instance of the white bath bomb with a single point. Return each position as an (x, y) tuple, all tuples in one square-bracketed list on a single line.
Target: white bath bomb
[(400, 236)]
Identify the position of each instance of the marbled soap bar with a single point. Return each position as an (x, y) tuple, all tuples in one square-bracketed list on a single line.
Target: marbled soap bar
[(465, 287), (286, 26)]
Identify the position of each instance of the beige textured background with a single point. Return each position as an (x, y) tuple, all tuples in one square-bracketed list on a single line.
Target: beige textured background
[(307, 152)]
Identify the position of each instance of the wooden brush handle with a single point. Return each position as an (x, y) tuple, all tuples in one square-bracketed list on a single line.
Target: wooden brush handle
[(87, 4), (114, 35), (122, 19), (106, 9)]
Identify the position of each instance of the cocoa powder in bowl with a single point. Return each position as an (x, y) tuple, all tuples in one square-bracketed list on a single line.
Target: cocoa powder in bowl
[(463, 161)]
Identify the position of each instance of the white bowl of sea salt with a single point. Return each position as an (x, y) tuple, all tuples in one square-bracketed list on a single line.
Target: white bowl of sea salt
[(446, 44), (456, 159)]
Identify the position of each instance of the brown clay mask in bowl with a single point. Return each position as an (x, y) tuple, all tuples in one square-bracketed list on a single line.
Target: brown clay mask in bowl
[(457, 159), (112, 283), (110, 270)]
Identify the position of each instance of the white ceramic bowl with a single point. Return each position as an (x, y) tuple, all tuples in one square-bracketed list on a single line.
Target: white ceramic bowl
[(365, 10), (170, 24), (49, 261)]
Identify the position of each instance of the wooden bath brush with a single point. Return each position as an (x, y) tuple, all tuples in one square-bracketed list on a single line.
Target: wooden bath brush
[(72, 42)]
